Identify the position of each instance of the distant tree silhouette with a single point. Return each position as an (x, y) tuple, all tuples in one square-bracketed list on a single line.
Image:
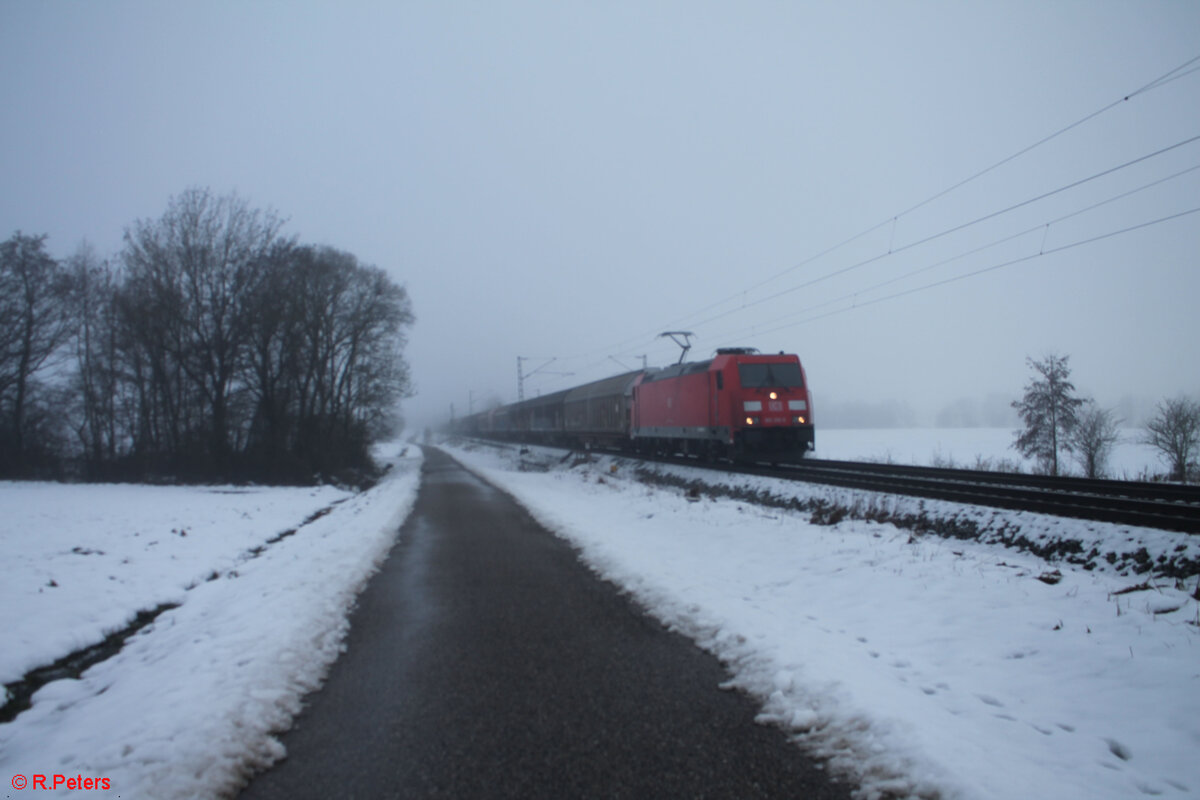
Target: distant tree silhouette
[(99, 395), (1094, 437), (1049, 411), (189, 277), (1175, 432), (326, 367), (213, 347), (35, 323)]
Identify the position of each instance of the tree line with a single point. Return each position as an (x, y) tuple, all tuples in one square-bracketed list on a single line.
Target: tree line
[(1057, 421), (212, 347)]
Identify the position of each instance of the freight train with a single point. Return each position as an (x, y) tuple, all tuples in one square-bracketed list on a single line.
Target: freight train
[(739, 404)]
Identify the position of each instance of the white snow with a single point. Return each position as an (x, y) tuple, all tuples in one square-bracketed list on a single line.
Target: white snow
[(192, 702), (969, 448), (918, 666)]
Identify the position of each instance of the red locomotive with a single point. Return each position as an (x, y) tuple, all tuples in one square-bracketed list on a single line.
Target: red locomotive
[(739, 404)]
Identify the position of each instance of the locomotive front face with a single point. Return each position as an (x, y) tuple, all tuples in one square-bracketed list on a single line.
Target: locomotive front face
[(773, 393), (771, 408)]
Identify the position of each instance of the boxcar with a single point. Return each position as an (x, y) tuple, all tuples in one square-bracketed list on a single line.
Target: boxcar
[(600, 412)]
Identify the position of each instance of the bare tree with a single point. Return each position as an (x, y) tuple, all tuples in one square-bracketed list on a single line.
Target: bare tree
[(1049, 411), (35, 322), (1094, 437), (272, 357), (349, 366), (100, 387), (1175, 432), (214, 347), (199, 264)]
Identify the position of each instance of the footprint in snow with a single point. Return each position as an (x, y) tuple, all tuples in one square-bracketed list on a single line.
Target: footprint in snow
[(1020, 654), (1119, 750), (987, 699)]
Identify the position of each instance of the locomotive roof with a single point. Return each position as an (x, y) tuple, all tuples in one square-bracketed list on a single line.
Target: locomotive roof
[(676, 370)]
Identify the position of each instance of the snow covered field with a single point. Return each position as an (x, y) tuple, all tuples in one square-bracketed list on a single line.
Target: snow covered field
[(190, 704), (965, 447), (919, 666)]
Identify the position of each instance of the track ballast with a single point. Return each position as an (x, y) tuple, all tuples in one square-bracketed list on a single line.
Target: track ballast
[(1167, 506)]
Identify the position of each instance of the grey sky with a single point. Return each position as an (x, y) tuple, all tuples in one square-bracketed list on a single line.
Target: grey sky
[(566, 179)]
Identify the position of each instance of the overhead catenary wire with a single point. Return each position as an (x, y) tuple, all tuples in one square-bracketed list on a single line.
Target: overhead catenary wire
[(1042, 226), (644, 341), (952, 230), (1162, 80), (1183, 70), (857, 304), (991, 268)]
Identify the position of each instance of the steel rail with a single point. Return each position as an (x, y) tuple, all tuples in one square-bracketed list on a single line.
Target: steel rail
[(1171, 507), (1167, 492), (1088, 500)]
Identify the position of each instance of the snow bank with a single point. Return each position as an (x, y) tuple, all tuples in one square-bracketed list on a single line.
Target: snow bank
[(83, 559), (918, 666), (189, 707)]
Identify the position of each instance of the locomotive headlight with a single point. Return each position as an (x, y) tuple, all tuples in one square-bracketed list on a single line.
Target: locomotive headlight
[(749, 420), (799, 420), (773, 396), (752, 405)]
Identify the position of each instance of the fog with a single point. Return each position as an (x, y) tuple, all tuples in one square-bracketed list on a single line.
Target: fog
[(561, 182)]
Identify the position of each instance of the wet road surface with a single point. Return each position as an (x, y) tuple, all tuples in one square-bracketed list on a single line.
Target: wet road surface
[(484, 661)]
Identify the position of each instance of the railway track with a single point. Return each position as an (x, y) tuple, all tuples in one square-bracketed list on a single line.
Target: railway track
[(1167, 506)]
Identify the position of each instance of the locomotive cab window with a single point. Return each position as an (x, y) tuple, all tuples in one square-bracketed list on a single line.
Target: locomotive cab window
[(785, 375)]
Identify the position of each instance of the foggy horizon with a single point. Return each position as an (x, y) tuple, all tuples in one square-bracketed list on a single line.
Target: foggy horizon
[(914, 197)]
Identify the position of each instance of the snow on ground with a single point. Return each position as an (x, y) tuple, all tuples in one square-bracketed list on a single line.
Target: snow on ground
[(188, 708), (971, 447), (917, 665), (90, 556)]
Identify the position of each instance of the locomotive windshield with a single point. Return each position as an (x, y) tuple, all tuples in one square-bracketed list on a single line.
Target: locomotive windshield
[(786, 375)]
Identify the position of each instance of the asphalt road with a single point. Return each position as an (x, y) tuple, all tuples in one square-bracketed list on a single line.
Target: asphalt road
[(484, 661)]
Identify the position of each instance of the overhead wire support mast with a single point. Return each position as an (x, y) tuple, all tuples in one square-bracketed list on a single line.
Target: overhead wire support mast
[(522, 375), (623, 366)]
